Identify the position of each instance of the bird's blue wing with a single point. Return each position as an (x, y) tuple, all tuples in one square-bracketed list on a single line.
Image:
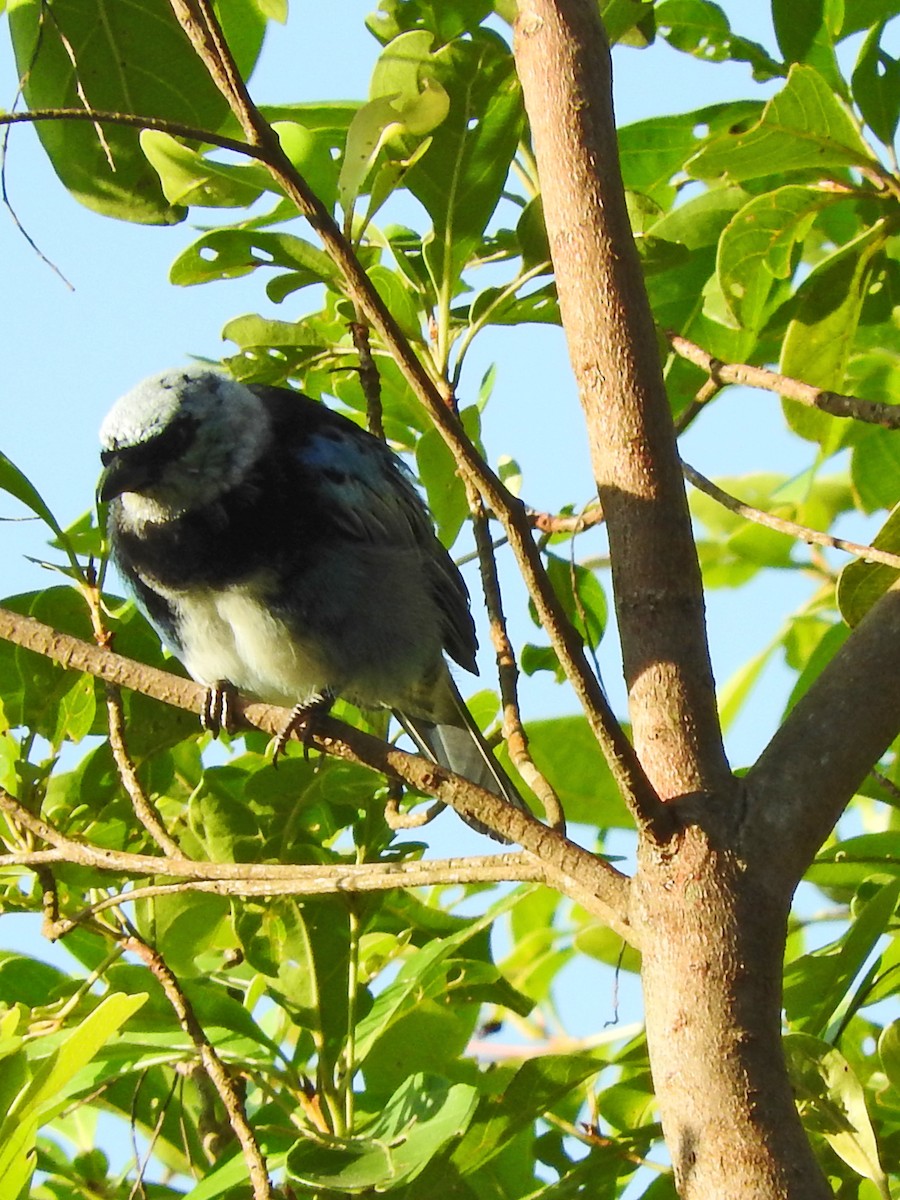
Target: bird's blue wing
[(365, 487)]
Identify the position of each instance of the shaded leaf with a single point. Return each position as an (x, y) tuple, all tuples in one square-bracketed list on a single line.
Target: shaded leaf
[(143, 63), (424, 1114), (861, 584)]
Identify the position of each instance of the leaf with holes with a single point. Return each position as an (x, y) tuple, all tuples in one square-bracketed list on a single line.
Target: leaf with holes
[(804, 126)]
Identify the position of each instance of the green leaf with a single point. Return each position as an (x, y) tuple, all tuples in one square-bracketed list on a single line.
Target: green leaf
[(875, 467), (581, 595), (862, 14), (735, 692), (832, 1102), (13, 481), (849, 863), (406, 103), (701, 28), (446, 966), (28, 981), (758, 248), (629, 22), (189, 177), (804, 126), (536, 1086), (652, 153), (889, 1053), (420, 1119), (460, 177), (39, 694), (817, 984), (143, 63), (821, 334), (444, 488), (230, 253), (566, 751), (861, 584), (303, 949), (42, 1095), (876, 86)]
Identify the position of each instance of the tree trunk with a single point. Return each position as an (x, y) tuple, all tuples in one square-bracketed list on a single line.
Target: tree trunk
[(713, 935), (710, 918)]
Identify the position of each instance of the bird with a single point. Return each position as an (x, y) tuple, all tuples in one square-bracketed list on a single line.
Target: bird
[(281, 550)]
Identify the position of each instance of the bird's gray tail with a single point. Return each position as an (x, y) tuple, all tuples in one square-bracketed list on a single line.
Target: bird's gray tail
[(460, 747)]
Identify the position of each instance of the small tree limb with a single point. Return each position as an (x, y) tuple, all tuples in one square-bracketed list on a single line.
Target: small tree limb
[(827, 744), (587, 879), (836, 404), (215, 1069), (801, 532)]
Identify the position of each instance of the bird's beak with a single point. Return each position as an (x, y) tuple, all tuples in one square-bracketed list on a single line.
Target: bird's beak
[(120, 474)]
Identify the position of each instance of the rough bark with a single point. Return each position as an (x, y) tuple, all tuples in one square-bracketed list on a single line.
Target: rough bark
[(827, 744), (713, 934), (563, 62)]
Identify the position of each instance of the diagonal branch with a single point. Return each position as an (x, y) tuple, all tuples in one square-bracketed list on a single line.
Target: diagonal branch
[(199, 22), (564, 65), (828, 744), (212, 1064), (508, 671), (103, 117), (587, 879), (836, 404), (801, 532)]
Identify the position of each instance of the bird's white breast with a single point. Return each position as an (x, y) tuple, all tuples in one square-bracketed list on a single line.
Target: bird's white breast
[(230, 634)]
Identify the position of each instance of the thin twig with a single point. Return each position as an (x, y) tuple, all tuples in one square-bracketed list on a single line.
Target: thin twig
[(836, 404), (79, 88), (106, 117), (368, 375), (888, 784), (144, 809), (397, 819), (508, 670), (705, 393), (801, 532), (212, 1064), (566, 523), (593, 891)]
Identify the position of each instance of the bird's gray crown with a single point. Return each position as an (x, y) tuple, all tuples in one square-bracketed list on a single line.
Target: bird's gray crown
[(202, 429), (196, 391)]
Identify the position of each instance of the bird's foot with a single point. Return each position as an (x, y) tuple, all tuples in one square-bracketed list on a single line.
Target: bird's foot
[(218, 712), (302, 714)]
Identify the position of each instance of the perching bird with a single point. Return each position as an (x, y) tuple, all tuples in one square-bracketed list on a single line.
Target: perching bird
[(279, 548)]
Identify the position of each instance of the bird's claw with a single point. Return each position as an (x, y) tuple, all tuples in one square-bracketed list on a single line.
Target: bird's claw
[(302, 714), (218, 712)]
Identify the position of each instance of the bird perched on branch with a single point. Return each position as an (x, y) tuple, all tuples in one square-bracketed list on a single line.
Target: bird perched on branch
[(280, 549)]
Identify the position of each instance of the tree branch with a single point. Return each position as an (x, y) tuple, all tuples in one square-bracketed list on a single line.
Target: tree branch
[(508, 670), (199, 22), (209, 1060), (827, 745), (251, 879), (104, 117), (834, 403), (564, 65), (801, 532), (590, 881)]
